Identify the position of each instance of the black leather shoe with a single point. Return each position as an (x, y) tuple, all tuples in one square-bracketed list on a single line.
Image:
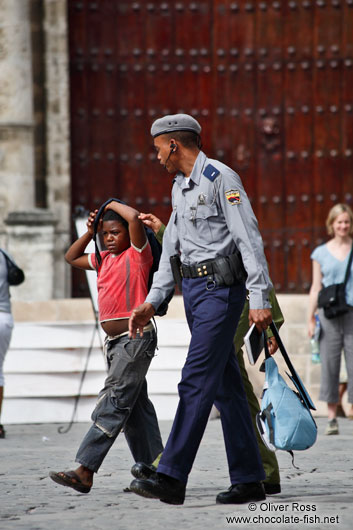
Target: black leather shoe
[(162, 487), (241, 493), (141, 470), (272, 489)]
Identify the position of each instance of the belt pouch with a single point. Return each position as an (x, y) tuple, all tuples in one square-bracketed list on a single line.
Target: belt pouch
[(237, 267), (175, 264), (223, 272)]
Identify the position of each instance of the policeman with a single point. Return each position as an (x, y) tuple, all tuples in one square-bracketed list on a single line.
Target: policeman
[(211, 222)]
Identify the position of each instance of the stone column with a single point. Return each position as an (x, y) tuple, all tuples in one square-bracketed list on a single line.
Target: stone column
[(58, 136), (16, 110), (31, 242)]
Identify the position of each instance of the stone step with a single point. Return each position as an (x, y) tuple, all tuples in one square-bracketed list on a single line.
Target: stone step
[(49, 349)]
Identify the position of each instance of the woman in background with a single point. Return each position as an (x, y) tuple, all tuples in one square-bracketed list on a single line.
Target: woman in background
[(330, 261), (6, 326)]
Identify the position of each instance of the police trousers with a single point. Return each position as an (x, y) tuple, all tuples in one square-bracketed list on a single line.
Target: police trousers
[(211, 375), (123, 403)]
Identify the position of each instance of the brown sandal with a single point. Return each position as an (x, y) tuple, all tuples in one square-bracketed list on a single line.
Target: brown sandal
[(69, 479)]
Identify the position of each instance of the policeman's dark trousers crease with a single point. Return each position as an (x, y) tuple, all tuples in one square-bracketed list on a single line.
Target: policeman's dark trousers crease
[(211, 375), (124, 404)]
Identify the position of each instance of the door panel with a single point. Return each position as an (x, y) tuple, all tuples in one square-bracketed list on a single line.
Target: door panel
[(270, 83)]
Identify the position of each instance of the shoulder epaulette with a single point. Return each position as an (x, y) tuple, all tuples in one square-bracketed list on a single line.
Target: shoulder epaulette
[(211, 172)]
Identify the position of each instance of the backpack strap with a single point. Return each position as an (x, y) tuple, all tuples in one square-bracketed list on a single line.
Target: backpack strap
[(267, 353)]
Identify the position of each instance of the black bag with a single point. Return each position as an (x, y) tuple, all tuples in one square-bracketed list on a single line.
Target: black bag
[(333, 298), (156, 249), (15, 275)]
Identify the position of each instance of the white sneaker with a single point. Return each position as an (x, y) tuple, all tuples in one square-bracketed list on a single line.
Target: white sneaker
[(332, 427)]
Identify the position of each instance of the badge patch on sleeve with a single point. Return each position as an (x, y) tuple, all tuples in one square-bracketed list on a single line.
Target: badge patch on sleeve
[(233, 196)]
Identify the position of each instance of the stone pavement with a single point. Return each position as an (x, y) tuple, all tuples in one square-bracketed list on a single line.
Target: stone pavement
[(318, 495)]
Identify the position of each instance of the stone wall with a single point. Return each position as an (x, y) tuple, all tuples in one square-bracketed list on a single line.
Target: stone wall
[(16, 110), (58, 136), (34, 143)]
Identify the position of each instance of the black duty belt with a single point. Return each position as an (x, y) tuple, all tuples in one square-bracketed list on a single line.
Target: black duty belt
[(223, 270), (198, 270)]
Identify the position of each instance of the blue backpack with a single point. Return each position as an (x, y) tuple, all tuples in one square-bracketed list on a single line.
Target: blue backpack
[(285, 421)]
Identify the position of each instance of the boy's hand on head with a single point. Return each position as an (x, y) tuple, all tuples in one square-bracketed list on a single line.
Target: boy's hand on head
[(151, 221), (140, 316), (90, 222)]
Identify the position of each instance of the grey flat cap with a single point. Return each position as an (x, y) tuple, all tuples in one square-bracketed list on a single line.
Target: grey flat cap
[(175, 122)]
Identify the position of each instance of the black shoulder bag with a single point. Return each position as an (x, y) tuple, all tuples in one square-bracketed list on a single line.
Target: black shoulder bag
[(332, 298), (15, 275)]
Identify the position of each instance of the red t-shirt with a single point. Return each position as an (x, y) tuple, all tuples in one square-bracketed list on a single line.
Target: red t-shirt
[(122, 281)]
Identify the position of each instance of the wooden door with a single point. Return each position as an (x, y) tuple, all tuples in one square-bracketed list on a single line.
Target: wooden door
[(270, 83)]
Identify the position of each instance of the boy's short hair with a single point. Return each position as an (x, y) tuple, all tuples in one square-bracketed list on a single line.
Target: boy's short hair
[(111, 215)]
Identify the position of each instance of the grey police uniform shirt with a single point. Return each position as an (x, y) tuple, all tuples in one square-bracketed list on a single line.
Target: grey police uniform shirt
[(212, 216)]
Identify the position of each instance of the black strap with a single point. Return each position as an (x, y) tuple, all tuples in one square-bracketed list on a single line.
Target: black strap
[(292, 455), (348, 270), (267, 353), (7, 258)]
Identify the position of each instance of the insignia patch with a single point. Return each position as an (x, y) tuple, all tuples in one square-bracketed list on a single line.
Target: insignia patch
[(201, 199), (233, 196)]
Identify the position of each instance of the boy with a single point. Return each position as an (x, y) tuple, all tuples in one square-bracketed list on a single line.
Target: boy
[(123, 402)]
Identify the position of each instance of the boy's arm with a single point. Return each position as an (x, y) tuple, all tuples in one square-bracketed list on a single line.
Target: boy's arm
[(76, 256), (136, 229)]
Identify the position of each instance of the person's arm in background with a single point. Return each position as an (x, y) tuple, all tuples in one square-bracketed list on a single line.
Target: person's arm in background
[(155, 224), (313, 295)]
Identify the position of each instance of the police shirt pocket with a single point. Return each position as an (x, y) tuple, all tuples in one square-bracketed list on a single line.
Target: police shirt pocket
[(203, 219), (204, 211)]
